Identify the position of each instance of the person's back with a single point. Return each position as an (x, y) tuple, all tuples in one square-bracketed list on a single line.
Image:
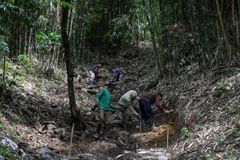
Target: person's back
[(93, 75), (90, 77), (126, 101), (118, 74), (128, 97), (96, 69), (153, 98), (146, 103), (103, 99)]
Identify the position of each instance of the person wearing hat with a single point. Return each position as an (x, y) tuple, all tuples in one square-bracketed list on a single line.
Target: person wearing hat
[(104, 104), (127, 101)]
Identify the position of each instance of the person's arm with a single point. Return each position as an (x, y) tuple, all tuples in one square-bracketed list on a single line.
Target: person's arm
[(100, 95), (133, 110), (130, 105), (113, 107)]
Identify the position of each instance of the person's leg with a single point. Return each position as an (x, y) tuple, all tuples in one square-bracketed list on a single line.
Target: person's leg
[(123, 110), (147, 113), (152, 124), (114, 75), (121, 77), (101, 122), (141, 112)]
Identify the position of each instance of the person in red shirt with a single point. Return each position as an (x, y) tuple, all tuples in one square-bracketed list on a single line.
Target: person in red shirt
[(145, 106)]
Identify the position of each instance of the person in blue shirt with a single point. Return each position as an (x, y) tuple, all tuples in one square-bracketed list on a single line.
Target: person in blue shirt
[(118, 74)]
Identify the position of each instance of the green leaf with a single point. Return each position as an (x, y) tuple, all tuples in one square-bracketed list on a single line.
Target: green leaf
[(3, 46), (65, 4), (1, 125)]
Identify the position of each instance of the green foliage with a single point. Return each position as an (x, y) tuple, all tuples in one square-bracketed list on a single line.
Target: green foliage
[(120, 31), (234, 108), (207, 156), (237, 141), (6, 152), (52, 37), (221, 85), (65, 4), (19, 11), (113, 23), (24, 60), (221, 139), (2, 104), (1, 125), (45, 41), (8, 64), (147, 34), (185, 132), (200, 115), (3, 45)]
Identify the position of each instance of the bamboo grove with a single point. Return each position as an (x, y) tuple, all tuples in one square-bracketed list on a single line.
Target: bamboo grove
[(181, 32)]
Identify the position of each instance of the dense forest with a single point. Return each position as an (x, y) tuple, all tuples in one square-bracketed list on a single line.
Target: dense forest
[(188, 50), (181, 32)]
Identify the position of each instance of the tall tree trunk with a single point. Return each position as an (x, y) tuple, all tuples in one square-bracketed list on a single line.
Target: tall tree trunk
[(150, 20), (223, 29), (69, 66)]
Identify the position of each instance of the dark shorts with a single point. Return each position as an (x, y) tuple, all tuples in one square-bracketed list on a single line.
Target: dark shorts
[(145, 109)]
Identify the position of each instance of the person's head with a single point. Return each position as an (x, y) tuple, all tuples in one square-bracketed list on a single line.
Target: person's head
[(110, 86), (160, 95), (99, 65), (134, 95)]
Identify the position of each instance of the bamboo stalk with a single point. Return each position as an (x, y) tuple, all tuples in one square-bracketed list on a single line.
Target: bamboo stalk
[(30, 44), (223, 29)]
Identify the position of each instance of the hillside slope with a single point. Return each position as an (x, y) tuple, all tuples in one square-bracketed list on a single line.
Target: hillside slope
[(205, 123)]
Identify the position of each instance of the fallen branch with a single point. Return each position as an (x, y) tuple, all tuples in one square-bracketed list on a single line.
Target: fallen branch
[(189, 89)]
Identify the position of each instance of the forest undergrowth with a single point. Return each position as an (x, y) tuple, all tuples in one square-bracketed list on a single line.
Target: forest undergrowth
[(205, 123)]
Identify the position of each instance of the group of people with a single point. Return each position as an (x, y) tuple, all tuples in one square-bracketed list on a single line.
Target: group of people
[(143, 111), (93, 74)]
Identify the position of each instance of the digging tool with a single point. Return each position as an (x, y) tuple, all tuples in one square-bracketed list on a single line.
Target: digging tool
[(167, 137), (71, 139), (140, 125)]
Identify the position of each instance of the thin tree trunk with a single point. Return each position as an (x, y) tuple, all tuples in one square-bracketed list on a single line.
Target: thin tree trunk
[(25, 40), (151, 27), (76, 116), (4, 68), (30, 44), (223, 29), (69, 66)]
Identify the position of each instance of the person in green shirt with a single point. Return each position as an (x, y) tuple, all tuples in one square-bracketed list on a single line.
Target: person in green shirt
[(104, 104)]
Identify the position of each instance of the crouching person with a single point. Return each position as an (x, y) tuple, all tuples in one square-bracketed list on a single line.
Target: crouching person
[(145, 105), (118, 75), (104, 104), (127, 102)]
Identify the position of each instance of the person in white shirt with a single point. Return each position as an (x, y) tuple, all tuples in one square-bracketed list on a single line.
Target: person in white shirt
[(127, 101)]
